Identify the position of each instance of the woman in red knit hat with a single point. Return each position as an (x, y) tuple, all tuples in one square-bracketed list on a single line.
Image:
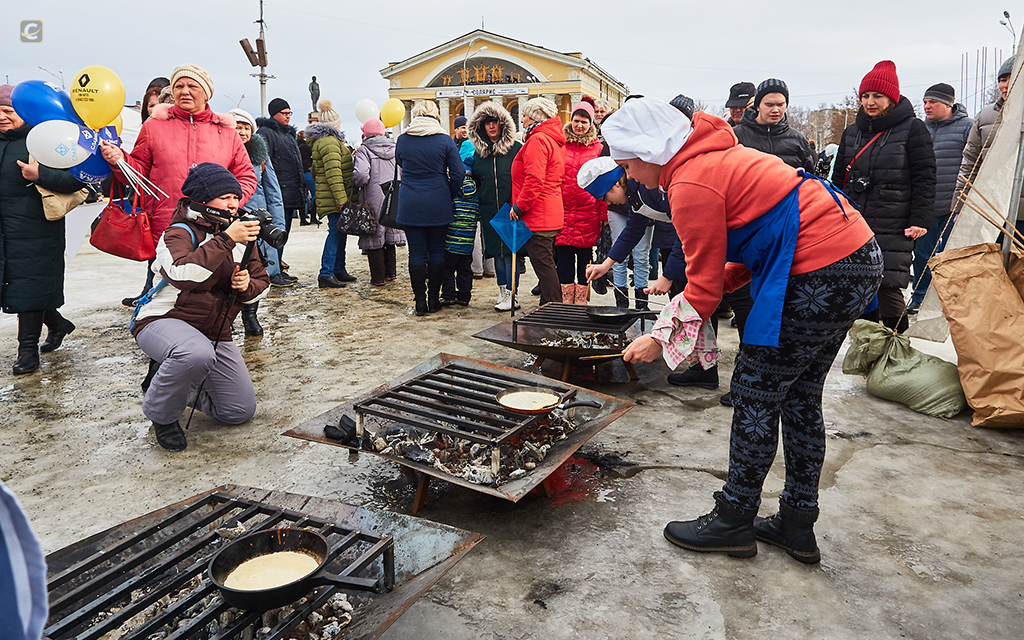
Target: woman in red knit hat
[(886, 164)]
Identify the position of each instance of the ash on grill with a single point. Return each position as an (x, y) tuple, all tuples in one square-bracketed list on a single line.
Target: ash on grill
[(582, 340), (477, 463)]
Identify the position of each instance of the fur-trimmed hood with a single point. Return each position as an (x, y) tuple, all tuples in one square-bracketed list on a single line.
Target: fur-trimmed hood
[(317, 131), (270, 123), (168, 111), (585, 140), (257, 149), (478, 136)]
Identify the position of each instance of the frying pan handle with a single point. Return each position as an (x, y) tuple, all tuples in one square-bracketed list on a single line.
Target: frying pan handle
[(345, 582), (580, 403)]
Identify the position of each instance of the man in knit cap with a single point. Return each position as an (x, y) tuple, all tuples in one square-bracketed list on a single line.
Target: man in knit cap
[(949, 126), (283, 144), (766, 127)]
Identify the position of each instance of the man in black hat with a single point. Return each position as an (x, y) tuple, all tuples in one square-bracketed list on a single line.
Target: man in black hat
[(741, 97), (283, 145), (460, 135)]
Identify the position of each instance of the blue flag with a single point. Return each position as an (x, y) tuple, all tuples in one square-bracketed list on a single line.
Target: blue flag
[(514, 233)]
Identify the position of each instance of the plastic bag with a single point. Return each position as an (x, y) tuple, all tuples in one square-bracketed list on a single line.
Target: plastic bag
[(898, 372)]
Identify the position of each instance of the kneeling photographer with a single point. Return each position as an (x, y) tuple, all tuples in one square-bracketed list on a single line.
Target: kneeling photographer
[(186, 325)]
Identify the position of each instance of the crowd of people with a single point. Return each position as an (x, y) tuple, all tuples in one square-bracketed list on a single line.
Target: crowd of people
[(739, 213)]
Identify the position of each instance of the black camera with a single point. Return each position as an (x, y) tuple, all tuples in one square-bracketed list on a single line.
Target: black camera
[(269, 233), (859, 185)]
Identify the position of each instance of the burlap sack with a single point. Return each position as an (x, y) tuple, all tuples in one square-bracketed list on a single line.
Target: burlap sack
[(986, 320)]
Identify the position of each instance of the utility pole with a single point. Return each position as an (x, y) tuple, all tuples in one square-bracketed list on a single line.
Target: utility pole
[(258, 58)]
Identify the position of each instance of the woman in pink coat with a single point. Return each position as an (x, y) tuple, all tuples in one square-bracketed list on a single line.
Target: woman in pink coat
[(176, 138), (584, 215)]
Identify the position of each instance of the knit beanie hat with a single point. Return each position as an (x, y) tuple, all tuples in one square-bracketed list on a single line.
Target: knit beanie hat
[(685, 104), (882, 78), (241, 115), (426, 108), (540, 109), (1006, 68), (5, 95), (646, 128), (276, 106), (207, 181), (771, 85), (373, 127), (740, 94), (328, 115), (585, 107), (460, 121), (941, 92), (598, 176), (198, 74)]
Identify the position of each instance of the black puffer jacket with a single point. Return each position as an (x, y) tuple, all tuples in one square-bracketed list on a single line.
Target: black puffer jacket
[(893, 182), (284, 154), (776, 139), (948, 139), (31, 247)]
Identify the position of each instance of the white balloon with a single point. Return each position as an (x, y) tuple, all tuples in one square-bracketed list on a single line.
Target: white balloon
[(54, 143), (366, 109)]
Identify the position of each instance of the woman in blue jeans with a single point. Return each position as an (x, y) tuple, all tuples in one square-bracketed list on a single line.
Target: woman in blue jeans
[(432, 174)]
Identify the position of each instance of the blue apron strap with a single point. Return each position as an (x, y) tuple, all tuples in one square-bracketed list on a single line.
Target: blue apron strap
[(832, 190)]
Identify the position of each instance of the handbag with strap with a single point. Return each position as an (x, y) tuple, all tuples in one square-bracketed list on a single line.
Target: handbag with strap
[(124, 232), (357, 217), (57, 205), (389, 210)]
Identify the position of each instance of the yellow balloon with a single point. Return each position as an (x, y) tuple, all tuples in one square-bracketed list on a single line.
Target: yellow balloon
[(392, 112), (97, 96), (118, 124)]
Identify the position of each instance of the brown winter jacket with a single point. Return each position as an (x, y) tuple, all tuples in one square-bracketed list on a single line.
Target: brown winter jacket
[(199, 276)]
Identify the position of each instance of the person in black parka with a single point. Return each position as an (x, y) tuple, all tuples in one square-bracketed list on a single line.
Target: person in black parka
[(886, 164), (31, 247)]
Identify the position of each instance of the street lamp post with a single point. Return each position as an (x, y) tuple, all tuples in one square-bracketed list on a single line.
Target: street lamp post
[(61, 78), (469, 54), (1009, 26)]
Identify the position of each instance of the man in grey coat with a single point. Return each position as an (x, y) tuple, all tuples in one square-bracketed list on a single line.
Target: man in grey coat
[(949, 126)]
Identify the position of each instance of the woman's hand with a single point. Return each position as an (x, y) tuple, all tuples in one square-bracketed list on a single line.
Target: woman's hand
[(661, 285), (111, 152), (30, 170), (242, 231), (240, 279), (915, 232), (595, 271), (643, 349)]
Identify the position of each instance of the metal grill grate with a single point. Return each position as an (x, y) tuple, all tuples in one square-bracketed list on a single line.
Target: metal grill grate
[(111, 587), (569, 317)]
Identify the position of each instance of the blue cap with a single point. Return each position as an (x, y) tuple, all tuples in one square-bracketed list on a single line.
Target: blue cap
[(598, 176)]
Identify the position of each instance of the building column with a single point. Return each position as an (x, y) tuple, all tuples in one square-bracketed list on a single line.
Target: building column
[(468, 110), (443, 106), (407, 120), (574, 98), (523, 99)]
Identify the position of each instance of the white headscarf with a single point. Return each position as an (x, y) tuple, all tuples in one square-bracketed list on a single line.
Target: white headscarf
[(646, 128)]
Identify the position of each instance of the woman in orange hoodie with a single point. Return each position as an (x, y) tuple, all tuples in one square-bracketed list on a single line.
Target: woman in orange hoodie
[(813, 264)]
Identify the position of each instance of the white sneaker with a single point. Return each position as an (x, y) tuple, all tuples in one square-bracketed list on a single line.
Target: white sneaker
[(504, 300)]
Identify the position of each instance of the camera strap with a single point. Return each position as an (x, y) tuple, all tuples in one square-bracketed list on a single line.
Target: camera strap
[(849, 167)]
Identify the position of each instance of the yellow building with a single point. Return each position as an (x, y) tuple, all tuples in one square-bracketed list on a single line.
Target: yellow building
[(485, 66)]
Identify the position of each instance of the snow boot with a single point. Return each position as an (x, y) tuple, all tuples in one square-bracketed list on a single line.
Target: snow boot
[(30, 325)]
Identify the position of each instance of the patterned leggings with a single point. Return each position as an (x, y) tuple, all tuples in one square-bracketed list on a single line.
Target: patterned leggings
[(787, 380)]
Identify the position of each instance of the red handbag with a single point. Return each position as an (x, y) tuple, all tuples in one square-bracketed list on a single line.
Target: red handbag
[(124, 232)]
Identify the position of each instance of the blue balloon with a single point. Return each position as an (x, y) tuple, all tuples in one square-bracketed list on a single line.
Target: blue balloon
[(94, 169), (37, 101)]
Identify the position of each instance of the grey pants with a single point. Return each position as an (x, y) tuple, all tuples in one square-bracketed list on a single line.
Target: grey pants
[(187, 358)]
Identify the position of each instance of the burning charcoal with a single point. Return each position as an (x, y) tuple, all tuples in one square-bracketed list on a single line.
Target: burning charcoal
[(399, 447), (475, 449), (530, 466), (339, 602), (544, 451), (232, 533), (263, 632), (533, 451), (416, 453), (330, 631), (479, 475), (518, 473), (379, 444)]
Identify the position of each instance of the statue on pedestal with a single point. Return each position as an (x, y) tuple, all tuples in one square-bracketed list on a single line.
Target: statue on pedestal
[(314, 92)]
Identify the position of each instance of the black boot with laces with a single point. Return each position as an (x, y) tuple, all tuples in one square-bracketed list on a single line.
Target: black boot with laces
[(170, 436), (727, 529), (793, 530)]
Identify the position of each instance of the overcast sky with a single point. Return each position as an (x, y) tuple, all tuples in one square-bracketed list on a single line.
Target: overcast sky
[(656, 47)]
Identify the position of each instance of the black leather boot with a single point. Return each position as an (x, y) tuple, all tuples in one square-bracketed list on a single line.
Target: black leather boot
[(793, 530), (249, 322), (696, 376), (30, 325), (418, 280), (641, 300), (727, 529), (57, 328), (375, 258), (435, 273), (621, 298), (170, 436), (390, 262)]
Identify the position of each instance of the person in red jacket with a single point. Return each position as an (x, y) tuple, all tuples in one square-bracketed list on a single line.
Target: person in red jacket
[(537, 190), (813, 264), (176, 138), (584, 215)]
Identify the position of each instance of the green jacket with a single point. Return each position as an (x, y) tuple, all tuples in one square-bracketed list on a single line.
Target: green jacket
[(332, 168), (31, 247), (493, 176)]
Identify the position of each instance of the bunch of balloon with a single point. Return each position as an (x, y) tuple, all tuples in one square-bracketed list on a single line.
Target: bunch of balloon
[(67, 129), (392, 113)]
